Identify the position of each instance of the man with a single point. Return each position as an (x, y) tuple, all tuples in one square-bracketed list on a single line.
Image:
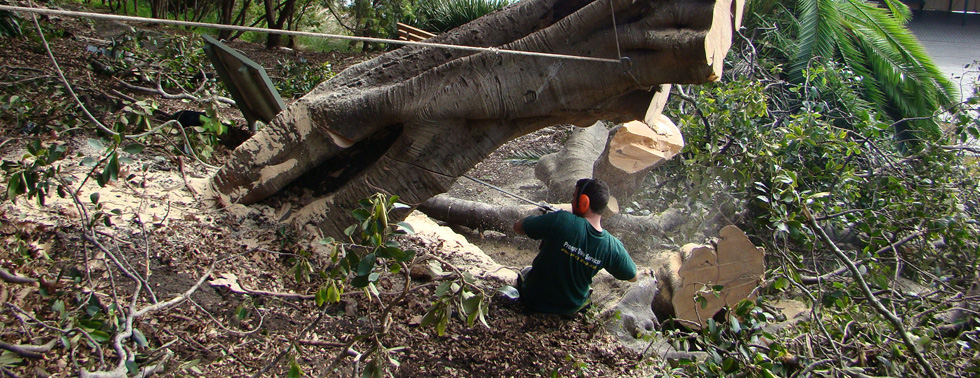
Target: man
[(574, 247)]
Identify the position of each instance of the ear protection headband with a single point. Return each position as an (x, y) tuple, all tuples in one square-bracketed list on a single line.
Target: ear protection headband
[(581, 204)]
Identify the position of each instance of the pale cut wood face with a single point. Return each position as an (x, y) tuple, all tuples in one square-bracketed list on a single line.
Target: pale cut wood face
[(411, 121), (736, 264)]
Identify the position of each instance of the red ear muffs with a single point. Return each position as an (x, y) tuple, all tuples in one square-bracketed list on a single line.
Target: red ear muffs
[(581, 204)]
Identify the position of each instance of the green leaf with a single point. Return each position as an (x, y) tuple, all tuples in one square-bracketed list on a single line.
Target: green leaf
[(96, 143), (444, 288), (133, 148), (443, 323), (373, 370), (320, 297), (8, 358), (349, 231), (333, 293), (366, 265), (139, 338), (360, 281), (781, 283), (94, 197), (430, 316), (99, 336), (113, 167), (361, 214), (132, 367), (294, 370), (89, 161)]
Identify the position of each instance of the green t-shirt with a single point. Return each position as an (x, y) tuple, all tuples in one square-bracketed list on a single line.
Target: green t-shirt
[(572, 252)]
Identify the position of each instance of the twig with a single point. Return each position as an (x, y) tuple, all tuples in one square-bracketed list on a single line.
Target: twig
[(226, 329), (124, 354), (13, 278), (888, 315), (30, 351), (814, 280), (813, 366), (283, 354), (321, 343), (64, 80), (8, 372), (182, 96)]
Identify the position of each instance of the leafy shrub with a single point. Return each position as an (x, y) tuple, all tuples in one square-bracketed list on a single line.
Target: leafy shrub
[(444, 15)]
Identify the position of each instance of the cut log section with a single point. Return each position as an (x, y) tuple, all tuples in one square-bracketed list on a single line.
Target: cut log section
[(735, 264), (637, 146)]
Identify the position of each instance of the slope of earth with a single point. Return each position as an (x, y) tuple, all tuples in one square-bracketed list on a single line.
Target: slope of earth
[(164, 234)]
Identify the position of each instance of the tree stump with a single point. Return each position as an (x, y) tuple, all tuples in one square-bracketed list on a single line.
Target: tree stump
[(734, 264)]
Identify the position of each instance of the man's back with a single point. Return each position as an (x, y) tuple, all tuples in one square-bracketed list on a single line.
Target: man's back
[(572, 252)]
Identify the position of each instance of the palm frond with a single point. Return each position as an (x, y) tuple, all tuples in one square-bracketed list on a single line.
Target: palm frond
[(527, 156), (820, 26), (897, 74)]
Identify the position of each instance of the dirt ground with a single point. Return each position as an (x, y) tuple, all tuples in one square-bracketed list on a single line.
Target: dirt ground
[(164, 228)]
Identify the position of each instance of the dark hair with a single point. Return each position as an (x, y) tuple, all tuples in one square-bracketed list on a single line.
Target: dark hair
[(598, 193)]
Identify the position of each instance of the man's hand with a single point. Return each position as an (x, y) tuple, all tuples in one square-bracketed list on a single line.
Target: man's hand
[(645, 272), (519, 227)]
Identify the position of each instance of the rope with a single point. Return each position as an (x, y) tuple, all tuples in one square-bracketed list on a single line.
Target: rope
[(625, 64), (543, 205), (100, 16)]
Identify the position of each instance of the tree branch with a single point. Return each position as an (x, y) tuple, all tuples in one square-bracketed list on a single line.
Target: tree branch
[(888, 315), (13, 278)]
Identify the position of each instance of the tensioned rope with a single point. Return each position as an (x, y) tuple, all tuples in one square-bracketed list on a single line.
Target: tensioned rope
[(113, 17)]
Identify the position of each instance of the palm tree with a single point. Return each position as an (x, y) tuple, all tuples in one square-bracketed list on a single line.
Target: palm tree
[(896, 72)]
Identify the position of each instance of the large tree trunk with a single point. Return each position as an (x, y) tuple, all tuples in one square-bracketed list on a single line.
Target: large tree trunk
[(482, 216), (559, 171), (413, 120)]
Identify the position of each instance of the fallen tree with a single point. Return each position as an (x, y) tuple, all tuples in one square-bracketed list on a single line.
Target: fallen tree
[(481, 216), (412, 121)]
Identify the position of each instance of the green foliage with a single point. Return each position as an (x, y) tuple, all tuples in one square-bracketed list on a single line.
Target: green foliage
[(527, 156), (461, 296), (371, 260), (898, 75), (9, 24), (36, 173), (298, 77), (818, 145), (444, 15), (38, 109), (735, 346)]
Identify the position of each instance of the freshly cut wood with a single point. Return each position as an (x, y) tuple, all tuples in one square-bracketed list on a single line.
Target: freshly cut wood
[(637, 146), (634, 151), (657, 104), (735, 264)]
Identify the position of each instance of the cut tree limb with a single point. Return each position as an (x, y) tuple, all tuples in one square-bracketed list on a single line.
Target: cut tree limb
[(734, 264), (482, 216), (635, 150), (410, 122)]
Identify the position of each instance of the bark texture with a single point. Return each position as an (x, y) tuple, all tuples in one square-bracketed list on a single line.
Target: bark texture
[(501, 218), (413, 120), (559, 171)]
